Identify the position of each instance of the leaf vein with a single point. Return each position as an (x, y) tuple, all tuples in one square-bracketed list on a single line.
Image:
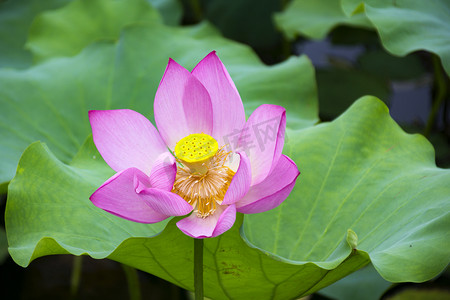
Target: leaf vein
[(296, 245)]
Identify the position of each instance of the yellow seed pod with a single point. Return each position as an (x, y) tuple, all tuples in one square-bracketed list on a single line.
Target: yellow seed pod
[(196, 147)]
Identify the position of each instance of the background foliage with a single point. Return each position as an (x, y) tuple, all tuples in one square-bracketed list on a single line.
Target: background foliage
[(58, 59)]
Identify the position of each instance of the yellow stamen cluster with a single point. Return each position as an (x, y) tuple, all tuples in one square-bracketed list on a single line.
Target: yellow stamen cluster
[(201, 181)]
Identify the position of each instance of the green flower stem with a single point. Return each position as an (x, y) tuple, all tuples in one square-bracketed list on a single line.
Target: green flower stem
[(198, 268), (441, 91), (133, 282), (76, 275)]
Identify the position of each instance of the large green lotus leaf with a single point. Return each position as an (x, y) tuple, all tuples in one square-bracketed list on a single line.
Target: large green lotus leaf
[(66, 31), (170, 10), (410, 25), (49, 102), (48, 212), (65, 213), (314, 19), (16, 17), (362, 172), (405, 26), (352, 7)]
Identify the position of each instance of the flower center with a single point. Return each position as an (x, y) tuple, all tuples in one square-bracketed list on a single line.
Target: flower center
[(202, 178), (195, 150)]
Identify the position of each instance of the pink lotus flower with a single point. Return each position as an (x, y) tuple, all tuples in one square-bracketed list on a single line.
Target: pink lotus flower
[(223, 163)]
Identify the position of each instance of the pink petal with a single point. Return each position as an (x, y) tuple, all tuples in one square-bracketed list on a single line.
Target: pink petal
[(126, 139), (163, 172), (165, 202), (228, 110), (263, 138), (273, 190), (212, 226), (182, 105), (226, 220), (118, 196), (241, 181)]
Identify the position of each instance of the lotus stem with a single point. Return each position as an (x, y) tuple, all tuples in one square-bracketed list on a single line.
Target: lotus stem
[(198, 268), (133, 282), (441, 91), (76, 275)]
